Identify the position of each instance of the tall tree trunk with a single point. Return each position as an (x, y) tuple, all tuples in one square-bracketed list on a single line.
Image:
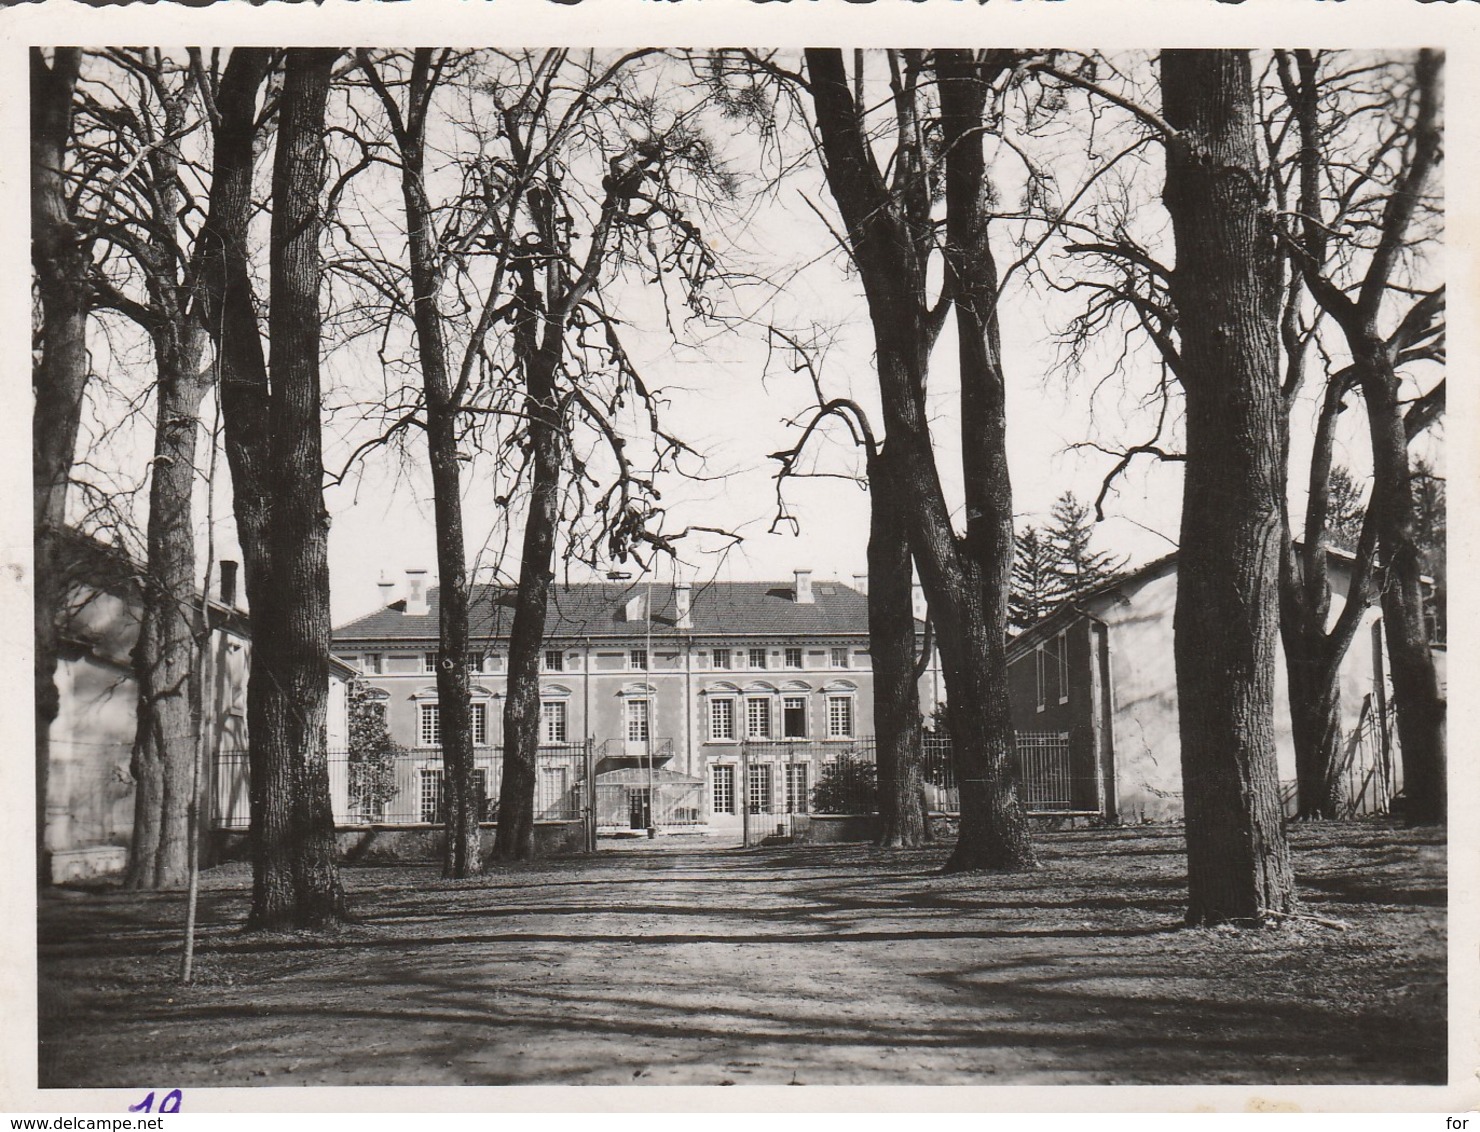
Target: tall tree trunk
[(891, 627), (514, 839), (988, 546), (461, 851), (58, 376), (168, 653), (1415, 684), (294, 832), (993, 832), (165, 656), (273, 447), (1226, 619)]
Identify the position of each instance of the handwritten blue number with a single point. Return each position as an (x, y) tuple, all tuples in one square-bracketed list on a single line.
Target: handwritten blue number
[(170, 1103)]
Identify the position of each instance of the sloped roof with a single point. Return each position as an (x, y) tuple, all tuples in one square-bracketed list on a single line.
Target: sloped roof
[(1067, 611), (596, 610)]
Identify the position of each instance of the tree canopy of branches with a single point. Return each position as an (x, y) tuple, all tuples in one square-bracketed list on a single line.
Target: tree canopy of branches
[(540, 189)]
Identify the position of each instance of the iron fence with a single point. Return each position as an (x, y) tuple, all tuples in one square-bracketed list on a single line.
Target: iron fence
[(408, 787)]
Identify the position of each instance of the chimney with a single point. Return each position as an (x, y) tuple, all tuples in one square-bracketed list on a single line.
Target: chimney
[(682, 595), (860, 583), (636, 608), (228, 583), (386, 588), (917, 602), (804, 587), (416, 593)]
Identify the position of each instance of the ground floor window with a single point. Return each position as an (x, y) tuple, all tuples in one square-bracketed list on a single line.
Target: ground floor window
[(796, 788), (432, 795), (724, 790), (550, 791), (840, 717), (758, 792)]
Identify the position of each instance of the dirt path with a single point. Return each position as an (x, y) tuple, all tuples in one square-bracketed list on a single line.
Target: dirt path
[(836, 965)]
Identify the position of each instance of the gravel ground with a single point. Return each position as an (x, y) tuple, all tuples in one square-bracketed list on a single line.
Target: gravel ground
[(836, 965)]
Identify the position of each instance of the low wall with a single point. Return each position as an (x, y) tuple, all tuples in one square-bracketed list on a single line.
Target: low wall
[(402, 844), (835, 829)]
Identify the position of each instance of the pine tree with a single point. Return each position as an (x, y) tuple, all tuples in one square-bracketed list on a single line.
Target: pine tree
[(1077, 568), (1035, 582), (1345, 511)]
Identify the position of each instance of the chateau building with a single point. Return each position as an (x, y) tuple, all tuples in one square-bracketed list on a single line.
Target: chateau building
[(665, 695)]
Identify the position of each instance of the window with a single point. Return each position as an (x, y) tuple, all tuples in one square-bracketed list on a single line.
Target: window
[(796, 788), (757, 658), (840, 658), (758, 789), (552, 721), (758, 718), (475, 662), (429, 733), (1064, 666), (1038, 669), (794, 717), (722, 658), (793, 658), (840, 717), (638, 659), (722, 718), (429, 662), (550, 791), (432, 794), (637, 721), (374, 663), (724, 790), (554, 660), (429, 730)]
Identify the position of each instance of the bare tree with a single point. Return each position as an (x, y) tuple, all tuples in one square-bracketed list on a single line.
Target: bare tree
[(890, 234), (1226, 619), (891, 620), (274, 449), (1351, 251), (136, 110), (443, 391), (60, 259)]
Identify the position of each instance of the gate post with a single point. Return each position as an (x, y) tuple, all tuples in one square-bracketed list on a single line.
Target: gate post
[(589, 769), (743, 789)]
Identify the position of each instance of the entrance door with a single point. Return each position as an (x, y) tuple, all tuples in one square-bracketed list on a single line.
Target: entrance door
[(639, 807), (638, 733)]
